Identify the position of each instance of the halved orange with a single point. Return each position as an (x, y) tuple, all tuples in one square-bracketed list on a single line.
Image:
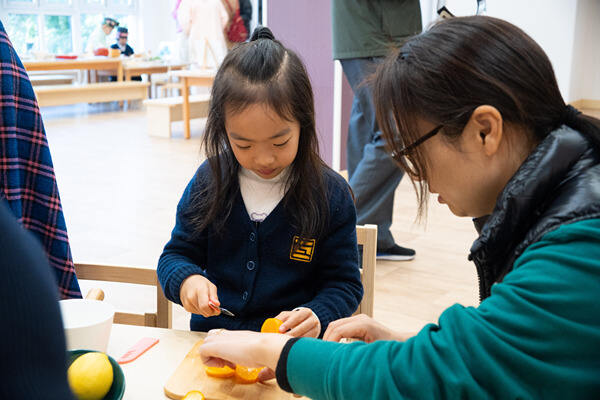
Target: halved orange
[(220, 372), (194, 395), (246, 375), (271, 325)]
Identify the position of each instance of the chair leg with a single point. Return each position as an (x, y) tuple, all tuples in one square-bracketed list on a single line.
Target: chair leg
[(164, 310)]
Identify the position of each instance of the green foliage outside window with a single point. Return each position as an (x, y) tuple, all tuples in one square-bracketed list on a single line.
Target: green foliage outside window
[(89, 23), (22, 30), (58, 34)]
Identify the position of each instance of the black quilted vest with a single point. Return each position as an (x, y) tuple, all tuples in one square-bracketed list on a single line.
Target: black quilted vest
[(559, 183)]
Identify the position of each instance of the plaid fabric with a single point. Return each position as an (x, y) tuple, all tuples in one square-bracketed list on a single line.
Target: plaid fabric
[(27, 180)]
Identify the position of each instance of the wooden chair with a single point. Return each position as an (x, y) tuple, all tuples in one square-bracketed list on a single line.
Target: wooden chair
[(366, 236), (141, 276)]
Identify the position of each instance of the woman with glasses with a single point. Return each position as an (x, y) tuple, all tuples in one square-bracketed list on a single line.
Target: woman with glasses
[(472, 112)]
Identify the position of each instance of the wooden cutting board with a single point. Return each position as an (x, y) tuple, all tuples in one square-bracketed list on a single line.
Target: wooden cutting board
[(190, 375)]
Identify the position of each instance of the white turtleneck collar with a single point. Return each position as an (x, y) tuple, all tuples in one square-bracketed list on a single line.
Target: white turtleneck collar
[(261, 195)]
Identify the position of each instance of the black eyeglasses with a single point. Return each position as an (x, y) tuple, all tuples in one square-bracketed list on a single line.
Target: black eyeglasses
[(407, 149)]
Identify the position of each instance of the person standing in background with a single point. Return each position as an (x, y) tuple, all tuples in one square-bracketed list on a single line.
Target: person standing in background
[(363, 33), (246, 13), (203, 22), (99, 38)]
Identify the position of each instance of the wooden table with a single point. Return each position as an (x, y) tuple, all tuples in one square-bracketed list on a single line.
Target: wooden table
[(135, 68), (95, 63), (146, 376), (192, 78)]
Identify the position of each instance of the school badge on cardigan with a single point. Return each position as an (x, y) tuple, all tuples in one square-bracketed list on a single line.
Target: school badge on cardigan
[(302, 249)]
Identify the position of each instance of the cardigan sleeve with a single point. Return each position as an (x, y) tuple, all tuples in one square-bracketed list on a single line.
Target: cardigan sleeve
[(185, 253), (340, 289)]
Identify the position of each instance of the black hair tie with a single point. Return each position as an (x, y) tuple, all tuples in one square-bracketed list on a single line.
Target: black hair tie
[(570, 115), (262, 32), (404, 52)]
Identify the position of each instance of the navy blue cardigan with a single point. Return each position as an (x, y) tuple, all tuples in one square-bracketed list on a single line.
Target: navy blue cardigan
[(257, 272)]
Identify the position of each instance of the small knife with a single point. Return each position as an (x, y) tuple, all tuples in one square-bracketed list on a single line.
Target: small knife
[(223, 310)]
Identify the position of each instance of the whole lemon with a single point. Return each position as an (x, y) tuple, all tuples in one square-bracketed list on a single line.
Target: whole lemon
[(90, 376)]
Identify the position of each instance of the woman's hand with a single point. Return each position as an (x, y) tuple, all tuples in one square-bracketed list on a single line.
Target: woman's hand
[(195, 293), (360, 327), (301, 322), (250, 349)]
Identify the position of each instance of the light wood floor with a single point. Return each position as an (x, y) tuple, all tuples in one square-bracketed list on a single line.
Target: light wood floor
[(120, 188)]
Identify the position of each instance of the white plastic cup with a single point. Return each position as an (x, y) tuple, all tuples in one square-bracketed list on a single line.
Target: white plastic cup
[(87, 323)]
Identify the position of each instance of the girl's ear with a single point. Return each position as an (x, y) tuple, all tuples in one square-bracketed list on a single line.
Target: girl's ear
[(484, 131)]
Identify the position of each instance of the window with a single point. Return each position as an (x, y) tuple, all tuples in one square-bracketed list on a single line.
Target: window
[(89, 23), (57, 2), (58, 34), (20, 3), (23, 32), (62, 26), (121, 3), (129, 22)]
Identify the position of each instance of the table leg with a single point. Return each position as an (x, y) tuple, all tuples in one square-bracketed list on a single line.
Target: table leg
[(186, 108), (120, 77)]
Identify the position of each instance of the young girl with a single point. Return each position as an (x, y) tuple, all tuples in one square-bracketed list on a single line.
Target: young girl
[(474, 105), (264, 228)]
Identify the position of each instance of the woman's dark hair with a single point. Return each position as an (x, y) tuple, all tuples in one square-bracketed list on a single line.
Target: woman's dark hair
[(445, 73), (262, 71)]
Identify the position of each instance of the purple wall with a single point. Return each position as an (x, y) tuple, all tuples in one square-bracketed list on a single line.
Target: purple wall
[(305, 27)]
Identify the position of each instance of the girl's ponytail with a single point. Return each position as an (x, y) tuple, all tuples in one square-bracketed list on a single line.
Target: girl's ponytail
[(588, 126), (262, 32)]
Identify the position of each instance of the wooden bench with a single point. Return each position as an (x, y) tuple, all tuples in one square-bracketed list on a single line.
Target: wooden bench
[(38, 80), (59, 95), (161, 112)]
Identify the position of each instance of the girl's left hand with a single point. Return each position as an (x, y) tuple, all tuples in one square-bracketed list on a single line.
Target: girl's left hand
[(301, 322)]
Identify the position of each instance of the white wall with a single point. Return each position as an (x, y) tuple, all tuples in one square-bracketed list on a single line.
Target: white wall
[(550, 23), (156, 23), (585, 71)]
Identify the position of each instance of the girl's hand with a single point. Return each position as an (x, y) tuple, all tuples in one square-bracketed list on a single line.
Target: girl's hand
[(251, 349), (360, 327), (300, 322), (195, 293)]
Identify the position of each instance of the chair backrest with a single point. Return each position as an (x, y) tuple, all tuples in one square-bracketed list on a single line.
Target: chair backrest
[(141, 276), (366, 236)]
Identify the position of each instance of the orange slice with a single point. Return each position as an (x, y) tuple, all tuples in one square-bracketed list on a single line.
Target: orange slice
[(246, 375), (271, 325), (194, 395), (220, 372)]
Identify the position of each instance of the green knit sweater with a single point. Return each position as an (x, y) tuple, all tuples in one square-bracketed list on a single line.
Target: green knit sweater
[(537, 336)]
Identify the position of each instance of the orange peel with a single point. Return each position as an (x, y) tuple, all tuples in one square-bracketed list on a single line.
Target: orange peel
[(194, 395), (246, 375), (220, 372), (271, 325)]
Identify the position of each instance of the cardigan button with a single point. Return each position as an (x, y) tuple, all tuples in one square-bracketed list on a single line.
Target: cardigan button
[(252, 236), (250, 265), (245, 296)]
